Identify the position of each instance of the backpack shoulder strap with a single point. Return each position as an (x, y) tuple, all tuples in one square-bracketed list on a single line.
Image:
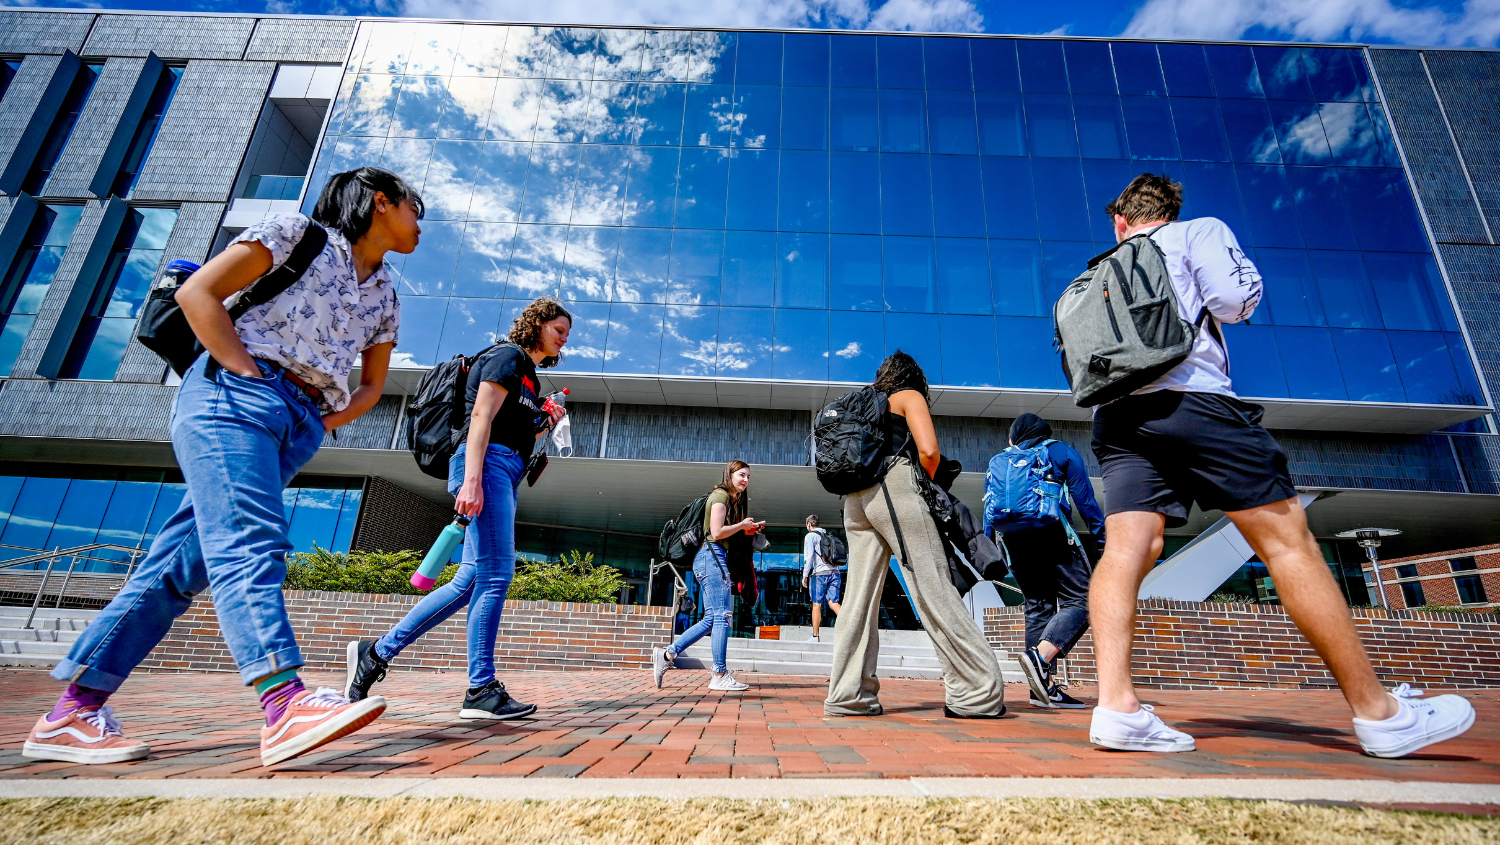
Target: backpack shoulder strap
[(272, 284)]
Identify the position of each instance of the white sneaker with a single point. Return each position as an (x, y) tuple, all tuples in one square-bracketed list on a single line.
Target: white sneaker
[(659, 664), (1138, 731), (813, 640), (1419, 723), (727, 683)]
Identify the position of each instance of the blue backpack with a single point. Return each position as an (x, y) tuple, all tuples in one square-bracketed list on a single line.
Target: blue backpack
[(1020, 491)]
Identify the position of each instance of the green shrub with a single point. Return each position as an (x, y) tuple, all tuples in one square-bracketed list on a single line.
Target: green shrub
[(575, 577), (1231, 598), (357, 572)]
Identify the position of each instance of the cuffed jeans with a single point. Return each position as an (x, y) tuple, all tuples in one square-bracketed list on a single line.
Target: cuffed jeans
[(712, 575), (1054, 576), (239, 442), (484, 576)]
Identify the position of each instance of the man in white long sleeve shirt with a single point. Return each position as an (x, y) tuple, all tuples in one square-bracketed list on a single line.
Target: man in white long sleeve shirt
[(819, 577), (1185, 439)]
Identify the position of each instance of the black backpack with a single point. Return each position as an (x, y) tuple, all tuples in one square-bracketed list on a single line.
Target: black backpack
[(832, 550), (164, 329), (850, 442), (436, 418), (681, 538)]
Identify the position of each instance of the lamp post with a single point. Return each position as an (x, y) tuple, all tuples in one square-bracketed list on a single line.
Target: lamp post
[(1369, 540)]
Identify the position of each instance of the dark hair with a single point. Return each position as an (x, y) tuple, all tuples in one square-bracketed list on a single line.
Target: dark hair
[(899, 372), (348, 200), (812, 519), (526, 331), (1148, 197)]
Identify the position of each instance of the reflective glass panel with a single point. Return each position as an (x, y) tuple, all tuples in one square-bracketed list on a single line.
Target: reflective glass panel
[(1138, 69), (804, 191), (641, 271), (1049, 123), (1427, 372), (1089, 67), (1026, 356), (499, 181), (968, 348), (853, 61), (947, 64), (537, 261), (659, 110), (1009, 198), (1103, 180), (959, 209), (1002, 123), (696, 267), (1257, 361), (951, 122), (1300, 131), (1348, 299), (750, 205), (806, 60), (1062, 211), (759, 58), (1352, 138), (634, 338), (1186, 70), (1409, 298), (903, 121), (1369, 368), (1043, 70), (585, 351), (702, 190), (855, 193), (755, 119), (714, 57), (690, 340), (1320, 208), (804, 118), (711, 116), (746, 349), (1381, 209), (1017, 282), (1211, 190), (471, 325), (1101, 130), (995, 64), (1247, 124), (1148, 121), (801, 347), (1200, 129), (854, 118), (749, 268), (1270, 207), (1312, 366), (900, 61), (1291, 295), (599, 192), (801, 270), (905, 195), (1283, 72), (651, 194), (910, 273), (963, 276), (1233, 70), (589, 264), (856, 345), (855, 273)]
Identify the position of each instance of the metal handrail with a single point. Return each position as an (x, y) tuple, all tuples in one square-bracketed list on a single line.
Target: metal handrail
[(74, 555)]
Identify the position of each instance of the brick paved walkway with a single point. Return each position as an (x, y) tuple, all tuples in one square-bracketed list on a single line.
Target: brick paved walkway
[(615, 724)]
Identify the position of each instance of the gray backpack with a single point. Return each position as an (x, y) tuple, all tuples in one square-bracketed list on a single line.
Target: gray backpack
[(1118, 325)]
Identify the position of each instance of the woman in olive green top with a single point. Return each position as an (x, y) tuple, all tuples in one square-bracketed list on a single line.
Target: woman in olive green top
[(723, 517)]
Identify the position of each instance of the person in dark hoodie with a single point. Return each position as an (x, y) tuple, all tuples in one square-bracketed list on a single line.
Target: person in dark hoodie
[(1052, 570)]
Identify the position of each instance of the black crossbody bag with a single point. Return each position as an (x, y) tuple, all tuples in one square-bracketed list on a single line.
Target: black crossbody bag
[(164, 329)]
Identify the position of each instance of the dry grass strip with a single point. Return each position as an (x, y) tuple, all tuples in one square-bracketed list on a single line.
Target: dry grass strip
[(401, 821)]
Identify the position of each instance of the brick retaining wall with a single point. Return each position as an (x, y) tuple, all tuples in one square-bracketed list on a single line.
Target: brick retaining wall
[(533, 634), (1193, 645)]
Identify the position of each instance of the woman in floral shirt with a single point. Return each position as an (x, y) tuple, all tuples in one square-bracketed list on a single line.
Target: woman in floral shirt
[(250, 412)]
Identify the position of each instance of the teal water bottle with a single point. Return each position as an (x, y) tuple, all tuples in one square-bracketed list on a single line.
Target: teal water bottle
[(425, 578)]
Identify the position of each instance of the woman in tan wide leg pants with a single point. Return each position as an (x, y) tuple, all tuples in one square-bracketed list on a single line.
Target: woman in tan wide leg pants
[(970, 673)]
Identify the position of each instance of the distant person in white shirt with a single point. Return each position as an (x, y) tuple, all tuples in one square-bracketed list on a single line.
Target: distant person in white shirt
[(1186, 438), (819, 577)]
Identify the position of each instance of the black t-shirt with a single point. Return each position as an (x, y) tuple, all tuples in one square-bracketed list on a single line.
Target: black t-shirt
[(514, 425)]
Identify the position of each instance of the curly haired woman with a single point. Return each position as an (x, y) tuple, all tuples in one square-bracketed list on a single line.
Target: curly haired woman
[(505, 421)]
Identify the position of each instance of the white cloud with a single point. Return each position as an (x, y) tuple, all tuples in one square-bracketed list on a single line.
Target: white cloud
[(1475, 23), (915, 15)]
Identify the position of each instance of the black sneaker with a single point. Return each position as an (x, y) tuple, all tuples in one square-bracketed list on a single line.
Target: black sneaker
[(1058, 699), (363, 668), (953, 715), (1038, 676), (491, 701)]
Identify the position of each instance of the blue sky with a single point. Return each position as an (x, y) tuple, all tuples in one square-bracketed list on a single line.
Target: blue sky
[(1447, 22)]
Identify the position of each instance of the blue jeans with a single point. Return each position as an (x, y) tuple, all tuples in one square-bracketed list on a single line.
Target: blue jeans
[(484, 576), (239, 442), (712, 575)]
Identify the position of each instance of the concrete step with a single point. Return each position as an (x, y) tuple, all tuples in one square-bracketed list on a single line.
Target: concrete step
[(35, 647), (40, 661), (47, 618), (52, 635)]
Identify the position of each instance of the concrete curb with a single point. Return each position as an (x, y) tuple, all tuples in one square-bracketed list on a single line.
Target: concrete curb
[(549, 789)]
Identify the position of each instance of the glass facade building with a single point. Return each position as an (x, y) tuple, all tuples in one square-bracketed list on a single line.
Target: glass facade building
[(794, 206)]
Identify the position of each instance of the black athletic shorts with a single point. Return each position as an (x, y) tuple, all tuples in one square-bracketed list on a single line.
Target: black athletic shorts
[(1161, 452)]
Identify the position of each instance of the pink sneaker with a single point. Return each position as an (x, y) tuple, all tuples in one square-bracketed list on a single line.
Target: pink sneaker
[(312, 719), (92, 736)]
